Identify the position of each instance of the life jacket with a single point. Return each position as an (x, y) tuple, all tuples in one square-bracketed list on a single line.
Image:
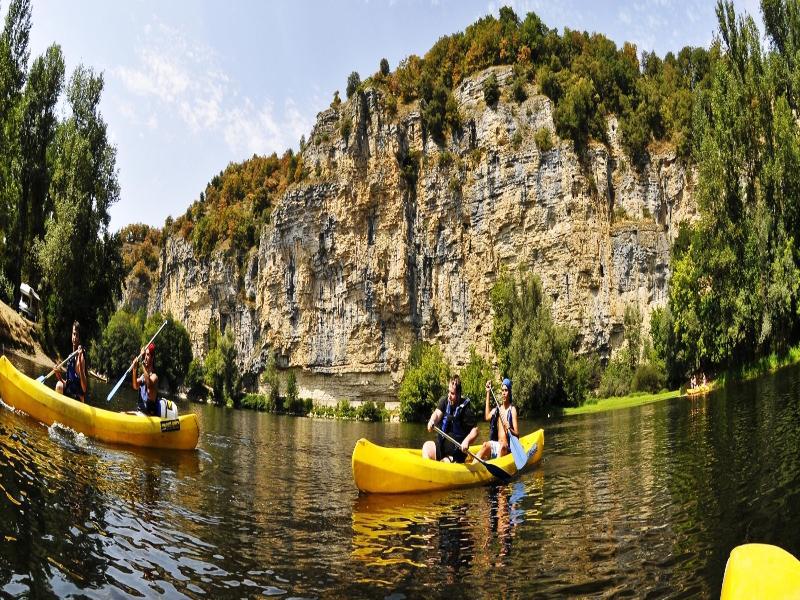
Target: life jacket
[(145, 405), (165, 409), (453, 422), (493, 430), (72, 380)]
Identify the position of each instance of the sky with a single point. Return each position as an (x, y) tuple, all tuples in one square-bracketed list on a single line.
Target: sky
[(192, 85)]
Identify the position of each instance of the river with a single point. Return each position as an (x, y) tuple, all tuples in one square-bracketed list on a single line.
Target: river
[(642, 502)]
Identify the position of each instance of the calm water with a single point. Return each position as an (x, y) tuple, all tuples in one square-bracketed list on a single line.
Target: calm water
[(646, 502)]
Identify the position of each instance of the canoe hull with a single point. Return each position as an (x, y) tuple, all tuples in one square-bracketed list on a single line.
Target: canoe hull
[(403, 470), (700, 390), (47, 406), (760, 571)]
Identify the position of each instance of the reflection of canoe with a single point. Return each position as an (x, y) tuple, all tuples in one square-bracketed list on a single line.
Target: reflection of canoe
[(699, 390), (403, 470), (761, 571), (47, 406), (388, 530)]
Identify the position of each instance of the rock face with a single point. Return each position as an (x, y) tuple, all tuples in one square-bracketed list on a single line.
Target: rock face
[(393, 239)]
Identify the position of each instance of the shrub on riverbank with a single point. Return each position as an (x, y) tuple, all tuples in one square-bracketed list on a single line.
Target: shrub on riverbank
[(366, 411), (424, 382)]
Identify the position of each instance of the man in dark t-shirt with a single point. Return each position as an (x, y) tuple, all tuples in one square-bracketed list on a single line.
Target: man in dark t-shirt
[(457, 420)]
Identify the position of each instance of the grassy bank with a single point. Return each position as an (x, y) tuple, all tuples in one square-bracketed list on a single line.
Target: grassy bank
[(763, 366), (758, 368), (620, 402)]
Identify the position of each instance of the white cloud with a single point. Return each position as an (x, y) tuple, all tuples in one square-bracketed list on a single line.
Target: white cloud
[(181, 79)]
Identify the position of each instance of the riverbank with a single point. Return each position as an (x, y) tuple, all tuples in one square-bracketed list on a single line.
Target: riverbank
[(621, 402), (19, 336), (759, 368)]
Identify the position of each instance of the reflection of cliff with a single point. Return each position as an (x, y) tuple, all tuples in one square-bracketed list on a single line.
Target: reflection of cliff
[(391, 239)]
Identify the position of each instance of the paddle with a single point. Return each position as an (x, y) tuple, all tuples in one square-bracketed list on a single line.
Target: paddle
[(493, 469), (520, 456), (41, 378), (121, 379)]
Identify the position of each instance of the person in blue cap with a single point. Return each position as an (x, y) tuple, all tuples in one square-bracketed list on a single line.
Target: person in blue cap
[(498, 443)]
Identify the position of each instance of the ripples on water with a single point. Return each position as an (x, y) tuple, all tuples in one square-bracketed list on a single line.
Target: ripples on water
[(640, 502)]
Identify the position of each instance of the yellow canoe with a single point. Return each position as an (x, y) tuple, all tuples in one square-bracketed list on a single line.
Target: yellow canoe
[(761, 571), (403, 470), (47, 406), (699, 390)]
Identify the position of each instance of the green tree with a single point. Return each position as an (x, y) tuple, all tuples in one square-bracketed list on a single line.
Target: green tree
[(294, 405), (119, 343), (474, 377), (174, 349), (38, 129), (424, 382), (221, 374), (80, 260), (195, 378), (14, 54), (271, 380), (538, 353), (353, 82), (734, 290), (384, 70)]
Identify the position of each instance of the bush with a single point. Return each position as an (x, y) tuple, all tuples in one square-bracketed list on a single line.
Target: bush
[(270, 378), (649, 377), (173, 349), (616, 379), (518, 91), (369, 411), (194, 378), (255, 402), (384, 67), (294, 404), (475, 375), (6, 289), (543, 139), (344, 410), (491, 90), (120, 342), (221, 374), (423, 383)]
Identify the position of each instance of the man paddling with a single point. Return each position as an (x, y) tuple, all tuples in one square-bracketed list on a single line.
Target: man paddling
[(147, 384), (457, 420), (75, 383)]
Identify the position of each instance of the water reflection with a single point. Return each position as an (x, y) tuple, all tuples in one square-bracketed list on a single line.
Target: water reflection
[(640, 502)]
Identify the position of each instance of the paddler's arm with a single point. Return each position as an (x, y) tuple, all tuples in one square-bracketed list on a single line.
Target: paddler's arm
[(135, 380), (465, 444), (435, 418), (80, 363)]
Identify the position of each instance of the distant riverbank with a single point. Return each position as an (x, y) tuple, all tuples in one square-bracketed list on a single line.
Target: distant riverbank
[(753, 370)]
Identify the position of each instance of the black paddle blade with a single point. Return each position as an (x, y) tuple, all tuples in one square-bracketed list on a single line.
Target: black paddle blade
[(497, 472)]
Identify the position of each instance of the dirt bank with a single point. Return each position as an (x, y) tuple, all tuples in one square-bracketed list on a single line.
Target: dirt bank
[(20, 336)]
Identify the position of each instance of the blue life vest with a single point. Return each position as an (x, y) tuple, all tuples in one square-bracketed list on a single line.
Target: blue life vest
[(72, 380), (453, 422), (493, 431)]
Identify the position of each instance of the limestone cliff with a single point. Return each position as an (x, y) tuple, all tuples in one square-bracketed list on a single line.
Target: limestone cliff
[(392, 239)]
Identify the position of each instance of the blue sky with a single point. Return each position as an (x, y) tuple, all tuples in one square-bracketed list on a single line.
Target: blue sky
[(192, 85)]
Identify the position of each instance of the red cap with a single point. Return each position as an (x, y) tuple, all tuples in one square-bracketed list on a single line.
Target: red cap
[(152, 347)]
